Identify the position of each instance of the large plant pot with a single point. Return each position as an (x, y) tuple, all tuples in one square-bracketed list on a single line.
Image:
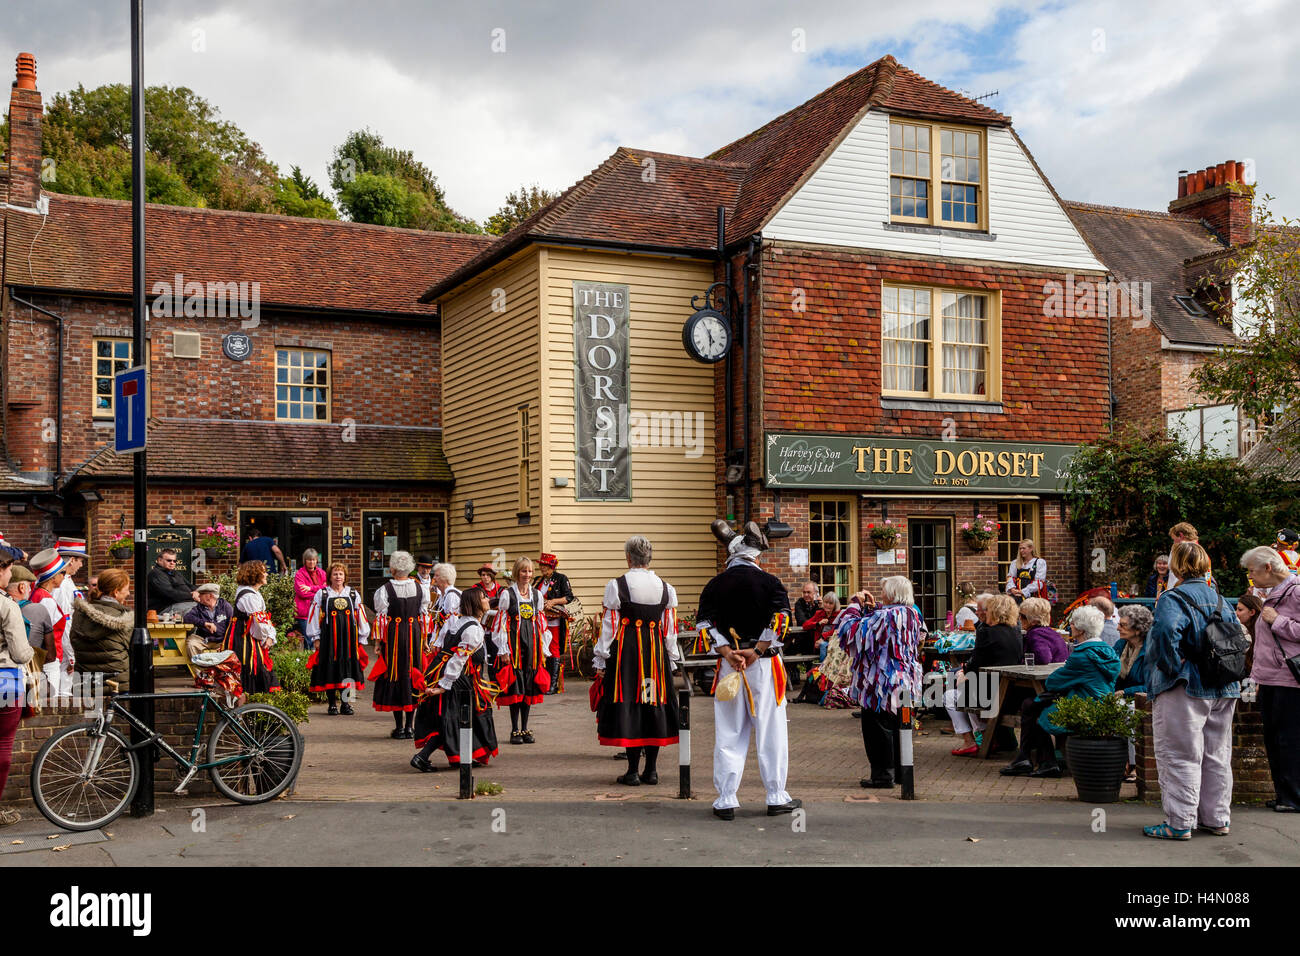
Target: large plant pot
[(1097, 766)]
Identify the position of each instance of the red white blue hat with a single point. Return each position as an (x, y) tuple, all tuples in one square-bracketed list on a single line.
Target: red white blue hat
[(71, 547), (47, 564)]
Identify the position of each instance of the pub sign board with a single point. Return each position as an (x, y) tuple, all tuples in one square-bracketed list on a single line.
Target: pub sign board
[(601, 320), (865, 463), (179, 537)]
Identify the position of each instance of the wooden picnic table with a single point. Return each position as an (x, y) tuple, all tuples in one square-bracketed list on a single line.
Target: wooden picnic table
[(1012, 675)]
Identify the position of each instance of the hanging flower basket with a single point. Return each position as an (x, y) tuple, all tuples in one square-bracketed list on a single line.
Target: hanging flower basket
[(218, 541), (980, 533), (121, 546), (884, 536)]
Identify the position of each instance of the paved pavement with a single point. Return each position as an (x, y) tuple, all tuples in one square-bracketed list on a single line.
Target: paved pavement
[(358, 802), (491, 831), (353, 758)]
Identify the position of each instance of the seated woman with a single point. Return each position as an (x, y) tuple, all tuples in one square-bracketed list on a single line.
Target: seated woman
[(820, 626), (1090, 671), (996, 644), (1159, 577), (1041, 639), (966, 616)]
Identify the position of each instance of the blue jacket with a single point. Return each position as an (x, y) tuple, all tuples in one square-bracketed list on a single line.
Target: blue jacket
[(1136, 682), (1089, 671), (1174, 632)]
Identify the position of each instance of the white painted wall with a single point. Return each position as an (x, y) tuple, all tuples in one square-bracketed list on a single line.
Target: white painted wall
[(846, 203)]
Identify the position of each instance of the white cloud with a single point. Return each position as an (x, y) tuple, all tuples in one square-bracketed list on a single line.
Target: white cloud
[(1178, 84)]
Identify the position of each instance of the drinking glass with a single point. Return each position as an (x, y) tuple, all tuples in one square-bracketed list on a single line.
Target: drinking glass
[(1029, 660)]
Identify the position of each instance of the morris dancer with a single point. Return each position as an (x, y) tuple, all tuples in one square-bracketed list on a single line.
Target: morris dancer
[(745, 612), (457, 672), (446, 607), (637, 706), (337, 625), (487, 583), (1287, 545), (50, 569), (556, 592), (401, 622), (252, 633), (520, 626)]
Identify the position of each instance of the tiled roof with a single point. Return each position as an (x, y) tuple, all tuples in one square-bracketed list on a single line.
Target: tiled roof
[(1138, 245), (634, 198), (15, 483), (84, 246), (1271, 456), (782, 154), (264, 451), (751, 177)]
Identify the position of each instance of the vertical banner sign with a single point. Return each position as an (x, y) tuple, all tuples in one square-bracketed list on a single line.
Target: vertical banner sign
[(600, 337)]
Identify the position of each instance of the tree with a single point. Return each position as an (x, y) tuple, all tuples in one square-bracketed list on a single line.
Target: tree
[(388, 186), (519, 205), (1262, 371), (1133, 486), (193, 157)]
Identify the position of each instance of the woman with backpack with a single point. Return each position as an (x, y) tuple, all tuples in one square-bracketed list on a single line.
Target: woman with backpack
[(1027, 574), (1191, 717), (1277, 647)]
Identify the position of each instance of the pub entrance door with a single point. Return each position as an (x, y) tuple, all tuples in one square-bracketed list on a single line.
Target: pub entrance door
[(929, 558)]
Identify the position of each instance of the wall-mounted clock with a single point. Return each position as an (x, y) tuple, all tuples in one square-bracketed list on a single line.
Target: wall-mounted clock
[(707, 336)]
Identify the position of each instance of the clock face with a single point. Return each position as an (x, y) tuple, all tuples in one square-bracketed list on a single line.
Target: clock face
[(708, 337)]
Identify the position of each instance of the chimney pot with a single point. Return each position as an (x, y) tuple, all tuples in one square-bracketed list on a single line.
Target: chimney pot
[(1211, 176), (1198, 182), (1182, 183), (26, 72), (1221, 175)]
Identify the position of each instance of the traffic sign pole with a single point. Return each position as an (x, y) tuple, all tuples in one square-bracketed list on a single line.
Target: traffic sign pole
[(141, 654)]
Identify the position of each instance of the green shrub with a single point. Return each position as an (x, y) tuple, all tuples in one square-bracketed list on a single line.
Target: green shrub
[(1108, 716), (294, 704), (486, 789), (290, 664)]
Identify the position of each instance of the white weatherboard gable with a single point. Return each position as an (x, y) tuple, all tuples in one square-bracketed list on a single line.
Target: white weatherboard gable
[(846, 203)]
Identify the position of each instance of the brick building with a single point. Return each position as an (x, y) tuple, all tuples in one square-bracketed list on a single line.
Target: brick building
[(895, 253), (1167, 271), (294, 375)]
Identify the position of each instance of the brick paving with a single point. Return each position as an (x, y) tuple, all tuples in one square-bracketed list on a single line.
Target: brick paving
[(353, 758)]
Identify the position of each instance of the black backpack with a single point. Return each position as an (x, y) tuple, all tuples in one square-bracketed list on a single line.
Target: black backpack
[(1220, 651)]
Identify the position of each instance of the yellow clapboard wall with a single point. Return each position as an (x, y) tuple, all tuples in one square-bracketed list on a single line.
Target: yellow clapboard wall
[(672, 494), (496, 360), (490, 367)]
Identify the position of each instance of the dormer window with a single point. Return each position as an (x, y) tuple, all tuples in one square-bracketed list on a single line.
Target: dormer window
[(1191, 306), (953, 173)]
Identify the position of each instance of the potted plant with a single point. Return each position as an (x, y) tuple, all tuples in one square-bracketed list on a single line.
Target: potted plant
[(1097, 748), (885, 536), (979, 534), (121, 545), (218, 540)]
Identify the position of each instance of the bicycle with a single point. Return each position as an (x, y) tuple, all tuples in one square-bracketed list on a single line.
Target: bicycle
[(85, 776)]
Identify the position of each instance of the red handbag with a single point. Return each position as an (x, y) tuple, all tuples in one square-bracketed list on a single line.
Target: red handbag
[(542, 681), (597, 691)]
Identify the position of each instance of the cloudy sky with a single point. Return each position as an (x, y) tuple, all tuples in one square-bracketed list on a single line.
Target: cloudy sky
[(1112, 97)]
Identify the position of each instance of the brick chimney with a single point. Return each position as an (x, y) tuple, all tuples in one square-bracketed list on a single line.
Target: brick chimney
[(24, 147), (1218, 195)]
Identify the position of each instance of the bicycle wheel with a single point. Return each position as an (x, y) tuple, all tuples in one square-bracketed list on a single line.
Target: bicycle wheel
[(270, 763), (73, 793)]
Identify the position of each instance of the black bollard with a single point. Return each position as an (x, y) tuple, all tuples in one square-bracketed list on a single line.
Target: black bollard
[(466, 749), (684, 741)]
